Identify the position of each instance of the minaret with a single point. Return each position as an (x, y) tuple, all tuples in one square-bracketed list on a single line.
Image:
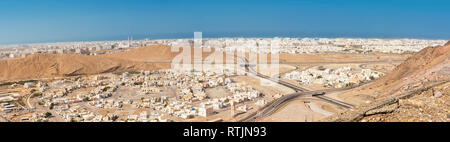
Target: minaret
[(129, 45)]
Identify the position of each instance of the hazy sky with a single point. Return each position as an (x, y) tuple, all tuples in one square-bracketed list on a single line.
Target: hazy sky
[(24, 21)]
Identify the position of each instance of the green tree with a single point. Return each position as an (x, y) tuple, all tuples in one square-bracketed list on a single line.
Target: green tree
[(51, 106), (48, 115)]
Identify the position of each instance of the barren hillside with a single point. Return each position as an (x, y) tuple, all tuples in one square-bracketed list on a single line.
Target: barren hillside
[(58, 65), (424, 60), (149, 53), (38, 66), (427, 71), (428, 65)]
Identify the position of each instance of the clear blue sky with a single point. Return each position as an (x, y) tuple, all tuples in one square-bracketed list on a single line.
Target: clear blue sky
[(24, 21)]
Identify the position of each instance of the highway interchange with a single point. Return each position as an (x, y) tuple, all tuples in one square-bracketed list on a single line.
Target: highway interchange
[(300, 92)]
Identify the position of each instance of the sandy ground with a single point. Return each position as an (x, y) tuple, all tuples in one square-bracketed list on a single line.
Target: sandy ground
[(295, 111), (336, 66), (284, 68), (299, 111), (266, 90), (217, 92), (382, 67)]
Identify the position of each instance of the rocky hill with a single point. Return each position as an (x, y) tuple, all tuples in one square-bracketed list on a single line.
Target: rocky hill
[(429, 65), (416, 90)]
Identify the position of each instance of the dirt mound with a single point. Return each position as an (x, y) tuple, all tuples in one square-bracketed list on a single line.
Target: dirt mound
[(38, 66), (154, 53), (148, 53)]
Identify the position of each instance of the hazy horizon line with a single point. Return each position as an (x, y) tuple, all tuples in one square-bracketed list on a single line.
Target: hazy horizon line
[(169, 36)]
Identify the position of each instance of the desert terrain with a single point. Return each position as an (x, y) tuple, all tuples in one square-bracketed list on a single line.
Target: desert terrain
[(288, 99)]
